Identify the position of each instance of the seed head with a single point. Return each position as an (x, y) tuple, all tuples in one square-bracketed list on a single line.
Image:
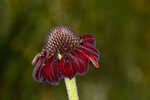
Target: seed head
[(61, 39)]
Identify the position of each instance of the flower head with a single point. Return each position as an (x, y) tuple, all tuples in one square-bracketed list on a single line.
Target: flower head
[(64, 54)]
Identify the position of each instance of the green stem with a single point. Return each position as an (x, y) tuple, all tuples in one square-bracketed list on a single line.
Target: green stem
[(71, 89)]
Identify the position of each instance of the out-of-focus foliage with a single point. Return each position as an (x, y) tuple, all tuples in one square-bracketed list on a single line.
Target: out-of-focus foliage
[(122, 31)]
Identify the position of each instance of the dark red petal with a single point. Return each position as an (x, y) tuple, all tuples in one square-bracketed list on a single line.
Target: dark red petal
[(75, 62), (84, 60), (73, 66), (46, 72), (50, 71), (80, 61), (36, 72), (92, 48), (90, 54), (65, 67), (88, 38), (36, 58), (46, 69), (55, 70)]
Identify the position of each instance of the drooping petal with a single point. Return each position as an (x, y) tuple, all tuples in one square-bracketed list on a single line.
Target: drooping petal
[(90, 54), (75, 63), (91, 47), (80, 61), (50, 71), (36, 58), (36, 72), (46, 72), (73, 66), (84, 60), (46, 69), (65, 67), (55, 70), (88, 38)]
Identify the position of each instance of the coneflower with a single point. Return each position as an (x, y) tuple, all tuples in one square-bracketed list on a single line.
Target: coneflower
[(64, 55)]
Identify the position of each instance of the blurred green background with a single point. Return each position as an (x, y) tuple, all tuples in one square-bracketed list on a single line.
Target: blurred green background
[(122, 32)]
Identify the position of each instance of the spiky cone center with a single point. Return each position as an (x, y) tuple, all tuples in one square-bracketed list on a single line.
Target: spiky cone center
[(60, 40)]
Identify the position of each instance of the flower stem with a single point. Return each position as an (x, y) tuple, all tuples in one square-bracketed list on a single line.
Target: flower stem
[(71, 89)]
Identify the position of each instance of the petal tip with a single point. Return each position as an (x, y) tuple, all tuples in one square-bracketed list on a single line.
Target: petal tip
[(95, 63), (35, 59)]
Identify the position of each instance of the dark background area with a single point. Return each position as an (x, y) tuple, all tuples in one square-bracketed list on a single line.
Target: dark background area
[(122, 32)]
